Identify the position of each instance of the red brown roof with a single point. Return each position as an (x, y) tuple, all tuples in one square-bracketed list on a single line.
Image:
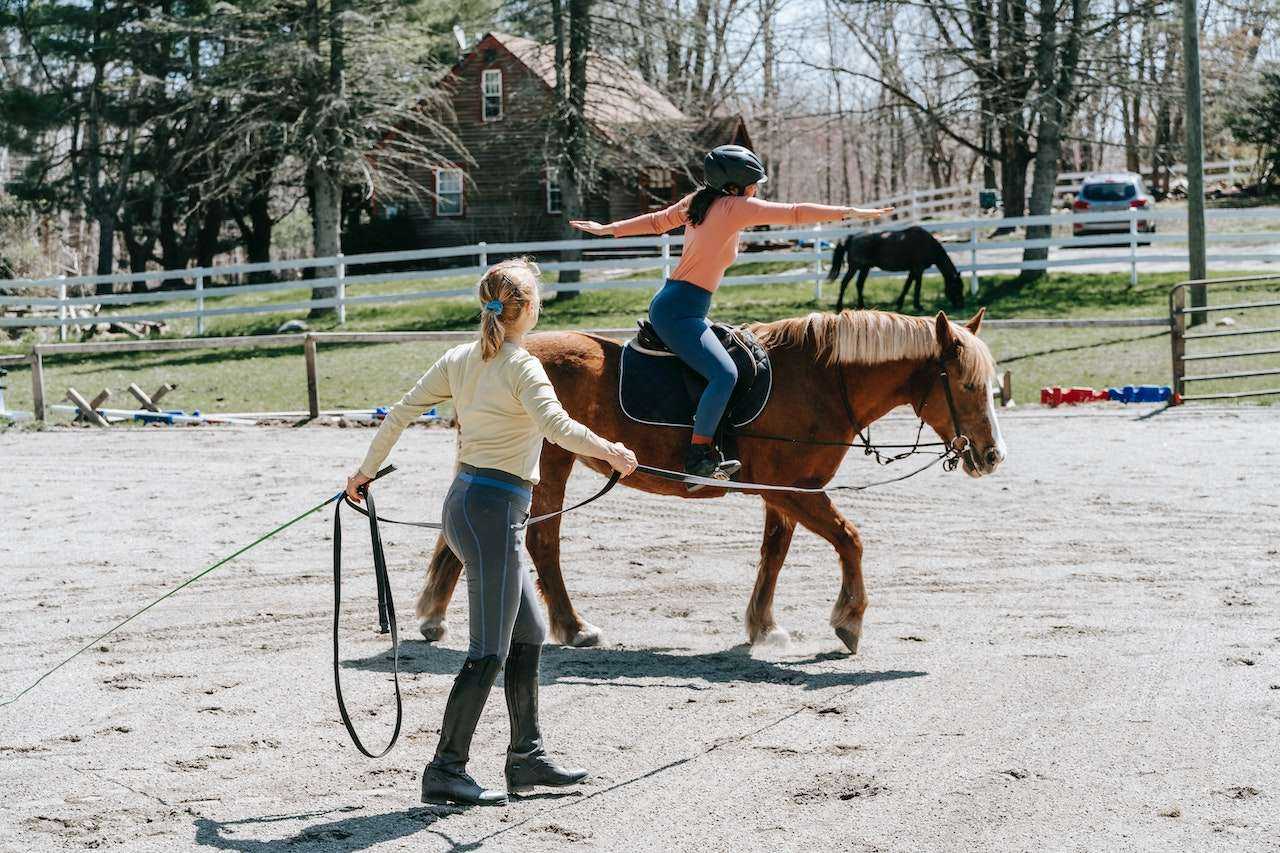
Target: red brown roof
[(616, 94)]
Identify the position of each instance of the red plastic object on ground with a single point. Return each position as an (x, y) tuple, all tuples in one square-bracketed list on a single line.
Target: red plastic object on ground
[(1056, 396)]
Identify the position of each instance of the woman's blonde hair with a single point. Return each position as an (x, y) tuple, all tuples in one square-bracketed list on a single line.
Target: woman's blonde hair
[(505, 290)]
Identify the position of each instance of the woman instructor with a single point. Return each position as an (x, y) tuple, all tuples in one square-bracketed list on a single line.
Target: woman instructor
[(505, 407)]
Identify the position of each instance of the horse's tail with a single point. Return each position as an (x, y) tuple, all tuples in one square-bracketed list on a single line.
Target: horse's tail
[(837, 258)]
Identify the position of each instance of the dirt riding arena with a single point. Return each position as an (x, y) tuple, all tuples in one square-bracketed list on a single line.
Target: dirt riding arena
[(1080, 652)]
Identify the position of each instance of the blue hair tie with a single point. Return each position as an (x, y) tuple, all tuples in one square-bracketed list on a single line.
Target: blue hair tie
[(494, 305)]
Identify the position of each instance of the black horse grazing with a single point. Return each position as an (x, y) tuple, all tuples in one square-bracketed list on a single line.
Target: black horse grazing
[(911, 249)]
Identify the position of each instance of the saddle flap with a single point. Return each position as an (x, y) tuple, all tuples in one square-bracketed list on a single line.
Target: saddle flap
[(658, 388)]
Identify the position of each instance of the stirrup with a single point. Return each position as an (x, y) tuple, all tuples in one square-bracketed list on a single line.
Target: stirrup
[(710, 463)]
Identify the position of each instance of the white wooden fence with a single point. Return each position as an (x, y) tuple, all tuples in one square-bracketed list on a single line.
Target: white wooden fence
[(52, 302), (963, 199)]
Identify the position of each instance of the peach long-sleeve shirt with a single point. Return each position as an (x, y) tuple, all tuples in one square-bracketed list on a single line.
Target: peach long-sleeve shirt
[(712, 247)]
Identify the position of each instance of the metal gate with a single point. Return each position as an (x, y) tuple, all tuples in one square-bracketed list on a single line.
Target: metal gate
[(1181, 339)]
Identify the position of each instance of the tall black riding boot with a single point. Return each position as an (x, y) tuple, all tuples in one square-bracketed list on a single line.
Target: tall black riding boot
[(445, 779), (527, 761)]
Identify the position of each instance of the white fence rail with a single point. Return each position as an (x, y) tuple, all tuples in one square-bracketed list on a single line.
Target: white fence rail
[(51, 302)]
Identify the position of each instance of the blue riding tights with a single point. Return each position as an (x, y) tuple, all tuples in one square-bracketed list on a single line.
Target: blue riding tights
[(481, 507), (679, 315)]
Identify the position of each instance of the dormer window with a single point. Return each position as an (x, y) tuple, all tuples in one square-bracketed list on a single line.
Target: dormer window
[(491, 94)]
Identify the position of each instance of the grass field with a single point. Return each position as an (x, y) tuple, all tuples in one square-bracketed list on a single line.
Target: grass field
[(272, 378)]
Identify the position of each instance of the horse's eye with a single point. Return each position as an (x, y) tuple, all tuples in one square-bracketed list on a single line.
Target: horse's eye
[(971, 386)]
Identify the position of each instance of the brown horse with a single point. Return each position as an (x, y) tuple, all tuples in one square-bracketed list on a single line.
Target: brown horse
[(887, 360)]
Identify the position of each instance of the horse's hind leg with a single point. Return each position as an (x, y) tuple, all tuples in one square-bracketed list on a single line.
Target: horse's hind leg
[(844, 285), (818, 514), (902, 297), (862, 282), (544, 546), (433, 601), (778, 529)]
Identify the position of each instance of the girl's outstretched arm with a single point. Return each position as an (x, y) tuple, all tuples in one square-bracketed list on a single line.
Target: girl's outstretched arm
[(746, 212), (658, 222)]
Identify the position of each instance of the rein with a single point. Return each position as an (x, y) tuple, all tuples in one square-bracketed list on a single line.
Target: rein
[(952, 449)]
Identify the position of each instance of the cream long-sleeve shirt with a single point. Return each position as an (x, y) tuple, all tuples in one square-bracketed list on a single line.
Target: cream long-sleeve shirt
[(505, 407)]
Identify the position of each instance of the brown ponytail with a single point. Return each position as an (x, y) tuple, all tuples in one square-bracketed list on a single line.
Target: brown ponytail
[(505, 290)]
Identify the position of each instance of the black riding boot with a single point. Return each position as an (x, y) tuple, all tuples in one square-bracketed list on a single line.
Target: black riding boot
[(705, 460), (527, 761), (445, 779)]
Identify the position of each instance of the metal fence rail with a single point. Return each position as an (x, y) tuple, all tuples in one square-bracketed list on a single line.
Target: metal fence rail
[(1179, 337), (356, 279)]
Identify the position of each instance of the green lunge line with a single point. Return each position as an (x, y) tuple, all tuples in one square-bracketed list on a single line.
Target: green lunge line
[(180, 586)]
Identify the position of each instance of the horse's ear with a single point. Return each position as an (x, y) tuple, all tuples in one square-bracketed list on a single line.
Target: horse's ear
[(946, 335), (975, 322)]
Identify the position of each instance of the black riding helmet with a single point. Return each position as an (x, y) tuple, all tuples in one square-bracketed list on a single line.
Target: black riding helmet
[(733, 165)]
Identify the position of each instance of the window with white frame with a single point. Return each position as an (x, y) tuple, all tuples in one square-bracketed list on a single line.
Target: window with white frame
[(491, 92), (553, 190), (448, 192)]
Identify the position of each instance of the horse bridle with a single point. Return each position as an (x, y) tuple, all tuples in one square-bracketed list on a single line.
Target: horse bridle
[(955, 448)]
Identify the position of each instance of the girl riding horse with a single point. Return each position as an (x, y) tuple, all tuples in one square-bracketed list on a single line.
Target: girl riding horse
[(713, 218)]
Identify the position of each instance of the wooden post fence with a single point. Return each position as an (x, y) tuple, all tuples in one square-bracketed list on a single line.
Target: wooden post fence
[(313, 384)]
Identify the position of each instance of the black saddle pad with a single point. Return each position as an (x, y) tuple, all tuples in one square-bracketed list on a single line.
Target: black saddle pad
[(657, 388)]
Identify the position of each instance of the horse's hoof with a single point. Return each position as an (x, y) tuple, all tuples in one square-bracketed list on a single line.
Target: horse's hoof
[(588, 635), (849, 638), (433, 630), (775, 636)]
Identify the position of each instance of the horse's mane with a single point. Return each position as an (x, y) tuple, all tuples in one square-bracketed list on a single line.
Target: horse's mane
[(875, 337)]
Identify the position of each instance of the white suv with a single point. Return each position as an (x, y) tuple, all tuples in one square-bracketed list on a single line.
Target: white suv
[(1107, 193)]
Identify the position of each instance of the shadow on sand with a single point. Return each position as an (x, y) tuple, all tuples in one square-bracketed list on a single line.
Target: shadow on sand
[(615, 667), (354, 832), (610, 668)]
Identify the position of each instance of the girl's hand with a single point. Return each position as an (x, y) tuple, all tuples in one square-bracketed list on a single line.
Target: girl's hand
[(593, 228), (866, 214), (354, 482), (621, 458)]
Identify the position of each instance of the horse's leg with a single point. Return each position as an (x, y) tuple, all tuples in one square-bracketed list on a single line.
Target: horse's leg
[(433, 601), (778, 528), (862, 281), (818, 514), (916, 300), (906, 285), (844, 286), (544, 546)]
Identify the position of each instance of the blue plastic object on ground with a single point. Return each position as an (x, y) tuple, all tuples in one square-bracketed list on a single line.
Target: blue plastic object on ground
[(1141, 394)]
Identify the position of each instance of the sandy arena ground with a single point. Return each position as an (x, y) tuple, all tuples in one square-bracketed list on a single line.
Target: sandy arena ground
[(1079, 653)]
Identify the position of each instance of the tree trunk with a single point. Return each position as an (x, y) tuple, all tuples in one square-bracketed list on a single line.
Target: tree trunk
[(258, 242), (326, 235), (575, 180), (1056, 72), (324, 175)]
